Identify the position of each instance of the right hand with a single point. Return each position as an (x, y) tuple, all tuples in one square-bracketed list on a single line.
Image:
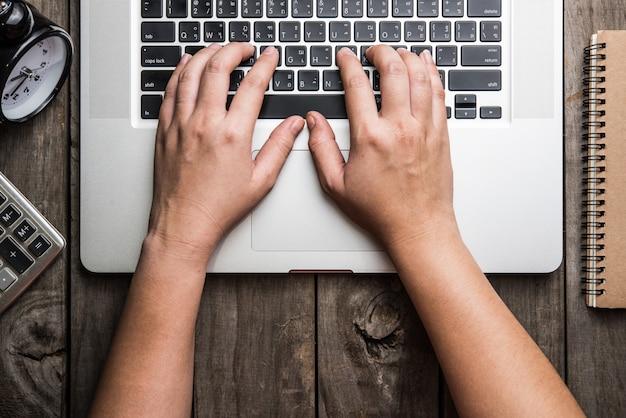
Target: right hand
[(397, 181)]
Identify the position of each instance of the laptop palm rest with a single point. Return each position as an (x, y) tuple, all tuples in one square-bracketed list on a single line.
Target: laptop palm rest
[(298, 216)]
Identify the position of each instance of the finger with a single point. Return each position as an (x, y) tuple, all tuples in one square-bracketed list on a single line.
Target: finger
[(394, 79), (420, 90), (359, 96), (247, 102), (189, 81), (329, 162), (215, 81), (166, 113), (438, 93), (275, 151)]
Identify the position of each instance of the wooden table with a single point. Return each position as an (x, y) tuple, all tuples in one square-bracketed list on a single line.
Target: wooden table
[(306, 345)]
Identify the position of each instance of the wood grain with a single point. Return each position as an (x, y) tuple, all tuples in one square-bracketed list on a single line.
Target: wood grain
[(255, 347), (288, 346), (33, 332), (374, 358)]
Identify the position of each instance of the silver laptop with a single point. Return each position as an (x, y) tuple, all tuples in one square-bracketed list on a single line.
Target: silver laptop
[(501, 64)]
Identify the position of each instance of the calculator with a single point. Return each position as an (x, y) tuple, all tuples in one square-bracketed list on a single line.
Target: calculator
[(28, 243)]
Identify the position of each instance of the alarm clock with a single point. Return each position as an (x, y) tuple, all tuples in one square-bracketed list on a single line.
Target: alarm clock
[(35, 59)]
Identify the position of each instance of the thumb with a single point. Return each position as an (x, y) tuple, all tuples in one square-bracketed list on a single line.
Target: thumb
[(276, 149), (327, 157)]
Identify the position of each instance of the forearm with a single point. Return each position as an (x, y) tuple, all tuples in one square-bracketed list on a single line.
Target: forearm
[(491, 364), (149, 371)]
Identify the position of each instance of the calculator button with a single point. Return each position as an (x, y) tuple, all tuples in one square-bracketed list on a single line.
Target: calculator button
[(14, 255), (39, 246), (2, 199), (6, 279), (9, 215), (24, 230)]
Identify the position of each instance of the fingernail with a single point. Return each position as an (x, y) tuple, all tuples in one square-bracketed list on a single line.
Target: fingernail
[(402, 50), (297, 125), (346, 50), (310, 121), (427, 56), (185, 58), (269, 50)]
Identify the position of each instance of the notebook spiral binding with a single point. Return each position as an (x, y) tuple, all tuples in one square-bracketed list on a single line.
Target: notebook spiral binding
[(593, 179)]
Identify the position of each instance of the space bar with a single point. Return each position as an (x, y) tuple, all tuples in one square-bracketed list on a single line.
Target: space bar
[(277, 106)]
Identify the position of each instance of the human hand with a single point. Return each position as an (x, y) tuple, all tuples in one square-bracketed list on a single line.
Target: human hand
[(397, 181), (205, 179)]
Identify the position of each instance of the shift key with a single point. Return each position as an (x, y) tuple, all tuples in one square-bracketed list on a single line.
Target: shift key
[(475, 80), (160, 56)]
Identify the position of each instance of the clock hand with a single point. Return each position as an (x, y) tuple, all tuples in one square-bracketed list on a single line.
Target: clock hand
[(18, 86), (19, 76), (24, 72)]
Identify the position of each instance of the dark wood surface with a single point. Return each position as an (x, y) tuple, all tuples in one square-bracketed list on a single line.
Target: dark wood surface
[(317, 345)]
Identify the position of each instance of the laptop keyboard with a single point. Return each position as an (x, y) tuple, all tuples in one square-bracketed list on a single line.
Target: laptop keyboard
[(464, 36)]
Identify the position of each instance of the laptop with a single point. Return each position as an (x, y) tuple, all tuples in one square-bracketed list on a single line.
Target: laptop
[(501, 62)]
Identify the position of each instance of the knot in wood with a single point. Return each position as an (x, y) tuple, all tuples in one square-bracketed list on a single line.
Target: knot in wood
[(383, 315)]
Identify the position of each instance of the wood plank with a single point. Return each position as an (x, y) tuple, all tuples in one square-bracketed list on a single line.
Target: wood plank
[(96, 301), (596, 339), (33, 332), (255, 347), (374, 358)]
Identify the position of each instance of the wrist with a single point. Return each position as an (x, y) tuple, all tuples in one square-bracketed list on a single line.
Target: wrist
[(433, 245), (177, 251)]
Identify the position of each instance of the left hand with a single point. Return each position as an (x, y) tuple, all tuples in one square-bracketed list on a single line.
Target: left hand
[(205, 179)]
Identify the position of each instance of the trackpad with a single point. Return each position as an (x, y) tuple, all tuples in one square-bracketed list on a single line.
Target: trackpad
[(298, 216)]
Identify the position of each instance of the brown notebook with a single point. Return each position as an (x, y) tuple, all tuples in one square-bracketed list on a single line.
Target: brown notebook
[(604, 178)]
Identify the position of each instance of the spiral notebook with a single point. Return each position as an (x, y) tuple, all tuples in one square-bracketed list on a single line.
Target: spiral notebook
[(604, 178)]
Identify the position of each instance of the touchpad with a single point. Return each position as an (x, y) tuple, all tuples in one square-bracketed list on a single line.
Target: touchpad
[(298, 216)]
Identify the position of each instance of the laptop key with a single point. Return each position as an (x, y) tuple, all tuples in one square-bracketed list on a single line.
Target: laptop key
[(201, 9), (214, 32), (239, 31), (280, 106), (321, 56), (226, 8), (152, 8), (301, 8), (352, 8), (453, 8), (490, 112), (160, 56), (264, 31), (276, 8), (428, 8), (402, 8), (308, 80), (332, 81), (252, 8), (327, 8), (484, 8), (490, 31), (150, 106), (377, 8), (176, 8), (478, 80), (339, 31), (479, 55), (158, 32), (295, 56), (283, 80)]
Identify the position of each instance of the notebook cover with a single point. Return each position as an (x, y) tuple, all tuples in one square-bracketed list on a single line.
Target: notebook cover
[(604, 212)]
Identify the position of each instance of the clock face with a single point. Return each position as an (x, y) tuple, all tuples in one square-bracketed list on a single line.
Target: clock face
[(34, 78)]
